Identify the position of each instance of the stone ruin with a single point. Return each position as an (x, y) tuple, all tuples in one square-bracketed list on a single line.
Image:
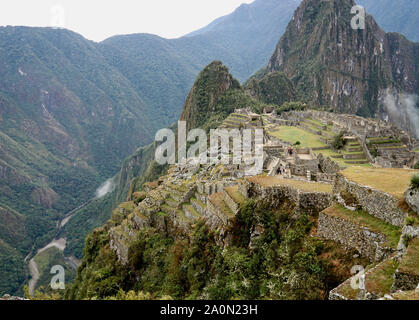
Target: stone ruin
[(394, 148)]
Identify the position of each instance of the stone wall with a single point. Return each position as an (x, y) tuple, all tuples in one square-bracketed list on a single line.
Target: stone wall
[(327, 165), (352, 236), (325, 177), (377, 203), (412, 198), (305, 202), (234, 207), (273, 151)]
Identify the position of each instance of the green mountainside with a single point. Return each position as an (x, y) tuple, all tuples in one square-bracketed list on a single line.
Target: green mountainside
[(61, 107)]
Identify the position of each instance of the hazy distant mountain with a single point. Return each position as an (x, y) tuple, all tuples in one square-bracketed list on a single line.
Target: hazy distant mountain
[(400, 16)]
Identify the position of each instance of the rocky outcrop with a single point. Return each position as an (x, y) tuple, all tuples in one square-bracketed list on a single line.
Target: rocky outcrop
[(309, 202), (406, 276), (412, 198), (44, 196)]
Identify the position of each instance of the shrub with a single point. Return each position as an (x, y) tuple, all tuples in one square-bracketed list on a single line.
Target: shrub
[(415, 181), (338, 142), (410, 221), (406, 239), (416, 166)]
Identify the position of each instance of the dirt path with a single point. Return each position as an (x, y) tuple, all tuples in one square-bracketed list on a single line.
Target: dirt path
[(33, 269)]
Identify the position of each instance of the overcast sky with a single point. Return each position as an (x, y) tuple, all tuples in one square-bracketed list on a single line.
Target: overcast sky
[(100, 19)]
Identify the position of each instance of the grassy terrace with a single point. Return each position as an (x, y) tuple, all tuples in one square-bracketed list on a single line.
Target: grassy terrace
[(379, 280), (406, 295), (305, 186), (182, 216), (361, 218), (382, 140), (294, 134), (217, 200), (410, 261), (316, 122), (192, 210), (390, 180), (338, 158), (199, 202), (235, 194)]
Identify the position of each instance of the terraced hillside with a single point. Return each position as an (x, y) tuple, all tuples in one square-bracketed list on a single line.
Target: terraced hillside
[(319, 136)]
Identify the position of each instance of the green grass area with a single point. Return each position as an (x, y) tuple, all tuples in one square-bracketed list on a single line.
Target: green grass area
[(235, 194), (218, 201), (410, 261), (362, 218), (307, 186), (316, 122), (378, 280), (294, 134), (46, 260), (382, 140), (238, 115), (311, 126), (381, 279), (340, 161), (391, 180)]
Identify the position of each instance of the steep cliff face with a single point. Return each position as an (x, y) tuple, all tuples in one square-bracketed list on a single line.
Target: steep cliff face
[(275, 88), (354, 71)]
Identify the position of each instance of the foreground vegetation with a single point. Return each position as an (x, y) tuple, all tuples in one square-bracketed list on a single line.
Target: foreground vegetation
[(285, 262)]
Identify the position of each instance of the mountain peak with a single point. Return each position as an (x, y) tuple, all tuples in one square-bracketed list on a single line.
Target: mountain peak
[(201, 103), (353, 71)]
